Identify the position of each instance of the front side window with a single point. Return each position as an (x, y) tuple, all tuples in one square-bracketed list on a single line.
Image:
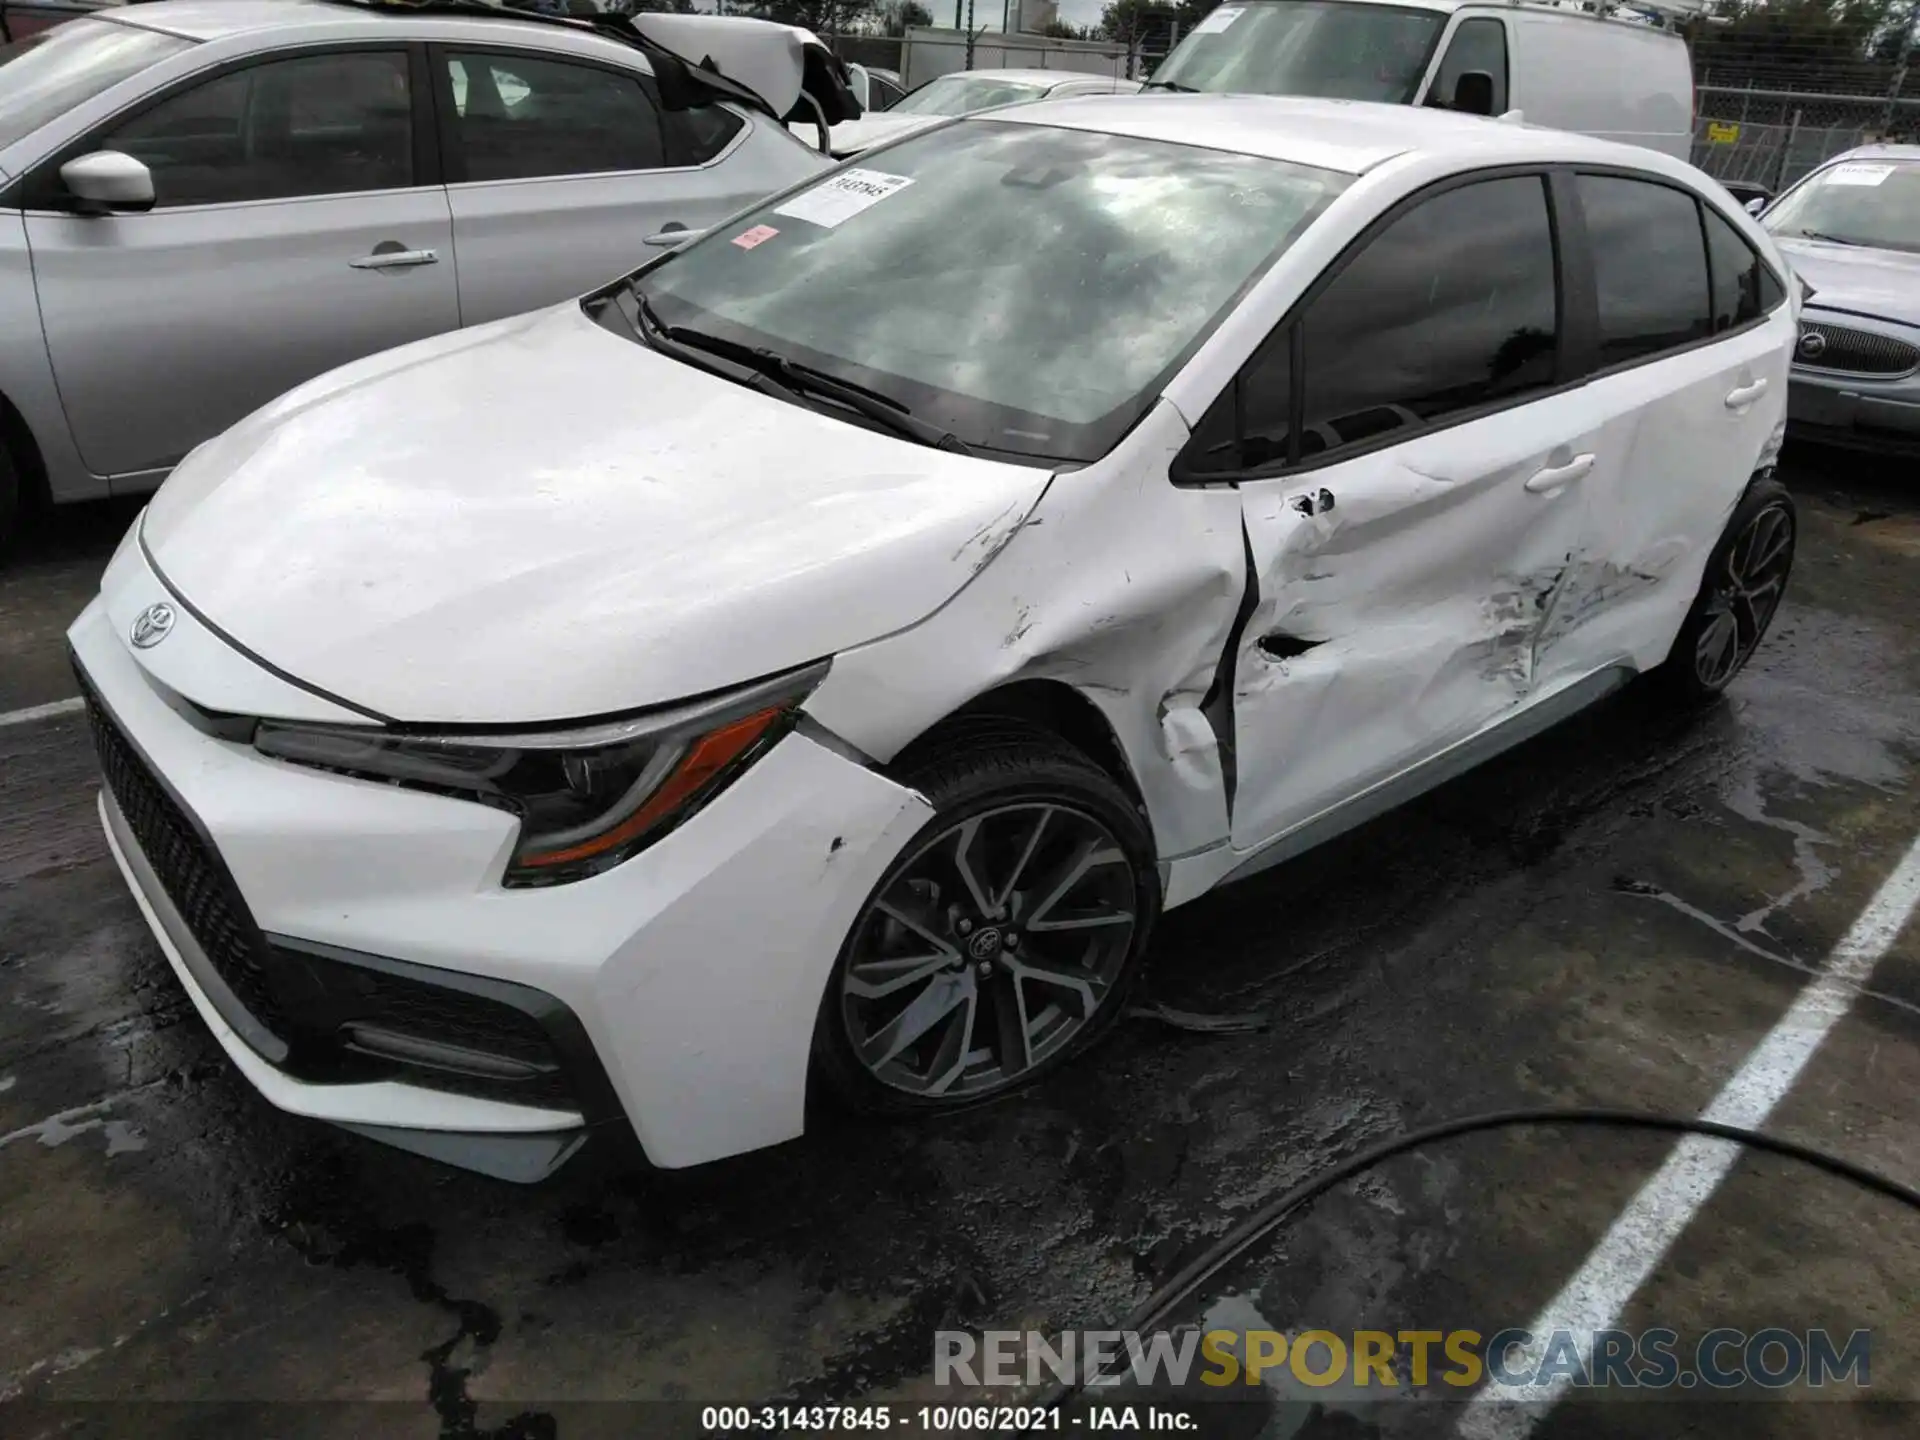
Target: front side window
[(50, 71), (315, 125), (964, 94), (1027, 287), (1857, 202), (1328, 48), (518, 117), (1650, 266), (1452, 307), (1477, 45)]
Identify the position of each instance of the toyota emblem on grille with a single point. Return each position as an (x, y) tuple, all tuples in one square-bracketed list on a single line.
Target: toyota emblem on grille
[(153, 626), (1812, 345)]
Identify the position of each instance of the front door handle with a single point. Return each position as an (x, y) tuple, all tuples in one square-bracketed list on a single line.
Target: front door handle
[(1555, 478), (1743, 397), (394, 259)]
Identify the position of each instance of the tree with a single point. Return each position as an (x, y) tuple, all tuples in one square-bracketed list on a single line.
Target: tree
[(896, 17), (823, 17), (1059, 29)]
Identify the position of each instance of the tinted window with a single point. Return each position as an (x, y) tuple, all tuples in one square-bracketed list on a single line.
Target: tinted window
[(1743, 288), (694, 137), (1247, 427), (1027, 287), (1650, 266), (1476, 45), (885, 95), (517, 117), (320, 125), (49, 72), (1451, 306)]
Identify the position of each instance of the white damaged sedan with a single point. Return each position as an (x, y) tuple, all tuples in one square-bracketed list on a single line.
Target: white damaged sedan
[(812, 663)]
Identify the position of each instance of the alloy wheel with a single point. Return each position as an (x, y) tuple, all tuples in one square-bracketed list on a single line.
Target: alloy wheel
[(1742, 603), (988, 950)]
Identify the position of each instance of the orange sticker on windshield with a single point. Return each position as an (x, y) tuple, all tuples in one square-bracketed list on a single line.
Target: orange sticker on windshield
[(758, 235)]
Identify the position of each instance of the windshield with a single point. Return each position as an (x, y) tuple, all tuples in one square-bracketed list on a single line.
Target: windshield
[(963, 94), (1858, 202), (53, 70), (1307, 47), (1027, 288)]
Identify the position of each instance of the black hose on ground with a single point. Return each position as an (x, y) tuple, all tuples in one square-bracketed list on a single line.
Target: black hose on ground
[(1159, 1306)]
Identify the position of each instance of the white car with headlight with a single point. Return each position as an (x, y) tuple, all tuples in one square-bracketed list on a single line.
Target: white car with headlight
[(812, 662)]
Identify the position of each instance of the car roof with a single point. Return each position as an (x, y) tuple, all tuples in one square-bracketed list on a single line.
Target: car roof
[(212, 19), (1350, 136), (1879, 152), (1032, 75)]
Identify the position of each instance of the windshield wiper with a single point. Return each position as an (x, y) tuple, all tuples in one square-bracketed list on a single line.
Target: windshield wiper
[(798, 379), (1174, 85), (1830, 239), (668, 341)]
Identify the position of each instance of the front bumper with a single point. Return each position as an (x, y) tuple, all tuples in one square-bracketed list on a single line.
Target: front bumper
[(1854, 408), (678, 990)]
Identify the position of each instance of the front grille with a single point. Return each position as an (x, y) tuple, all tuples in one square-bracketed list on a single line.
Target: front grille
[(1853, 352), (187, 869), (312, 997)]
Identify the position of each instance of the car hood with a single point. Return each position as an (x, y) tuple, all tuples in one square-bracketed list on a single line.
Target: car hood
[(1880, 283), (540, 520), (850, 137)]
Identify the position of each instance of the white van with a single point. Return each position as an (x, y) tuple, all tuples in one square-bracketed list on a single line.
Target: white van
[(1563, 68)]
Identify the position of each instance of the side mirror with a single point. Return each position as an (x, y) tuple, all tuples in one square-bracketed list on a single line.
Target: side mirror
[(1473, 93), (107, 181), (1756, 205), (861, 84)]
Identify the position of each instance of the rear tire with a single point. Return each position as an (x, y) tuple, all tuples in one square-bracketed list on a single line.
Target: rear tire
[(1740, 593), (1005, 938)]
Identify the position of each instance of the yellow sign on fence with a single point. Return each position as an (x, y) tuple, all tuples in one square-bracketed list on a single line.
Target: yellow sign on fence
[(1721, 133)]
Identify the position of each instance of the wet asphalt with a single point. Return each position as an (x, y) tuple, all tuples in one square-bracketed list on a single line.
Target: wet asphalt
[(1613, 915)]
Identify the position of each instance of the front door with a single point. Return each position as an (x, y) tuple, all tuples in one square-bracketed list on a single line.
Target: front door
[(1412, 504), (288, 236)]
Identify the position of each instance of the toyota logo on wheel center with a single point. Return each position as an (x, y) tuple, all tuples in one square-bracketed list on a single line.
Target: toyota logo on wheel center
[(985, 944)]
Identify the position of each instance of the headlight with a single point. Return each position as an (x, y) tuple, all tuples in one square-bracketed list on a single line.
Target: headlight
[(588, 797)]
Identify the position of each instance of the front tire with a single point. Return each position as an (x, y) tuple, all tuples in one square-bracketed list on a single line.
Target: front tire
[(1004, 940), (1740, 593), (10, 506)]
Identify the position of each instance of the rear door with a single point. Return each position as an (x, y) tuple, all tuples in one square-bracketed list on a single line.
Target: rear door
[(559, 167), (295, 227), (1691, 352), (1409, 452)]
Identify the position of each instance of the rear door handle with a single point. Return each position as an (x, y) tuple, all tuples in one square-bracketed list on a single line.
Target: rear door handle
[(1743, 397), (395, 259), (1557, 477)]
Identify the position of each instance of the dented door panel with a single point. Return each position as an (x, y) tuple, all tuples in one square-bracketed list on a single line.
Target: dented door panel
[(1678, 457), (1405, 616)]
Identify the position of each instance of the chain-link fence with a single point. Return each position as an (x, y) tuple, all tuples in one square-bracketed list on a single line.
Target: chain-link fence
[(1772, 138)]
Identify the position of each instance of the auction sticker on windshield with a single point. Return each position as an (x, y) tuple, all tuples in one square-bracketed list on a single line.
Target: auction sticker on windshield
[(843, 197), (1219, 20), (1858, 174)]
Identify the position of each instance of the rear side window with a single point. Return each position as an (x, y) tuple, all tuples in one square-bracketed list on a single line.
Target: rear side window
[(1452, 307), (693, 137), (1744, 288), (518, 118), (1650, 266)]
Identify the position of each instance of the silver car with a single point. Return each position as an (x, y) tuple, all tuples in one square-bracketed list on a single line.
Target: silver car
[(1851, 231), (207, 202)]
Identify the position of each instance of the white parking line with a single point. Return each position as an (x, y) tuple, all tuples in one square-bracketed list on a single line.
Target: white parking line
[(1646, 1230), (42, 712)]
